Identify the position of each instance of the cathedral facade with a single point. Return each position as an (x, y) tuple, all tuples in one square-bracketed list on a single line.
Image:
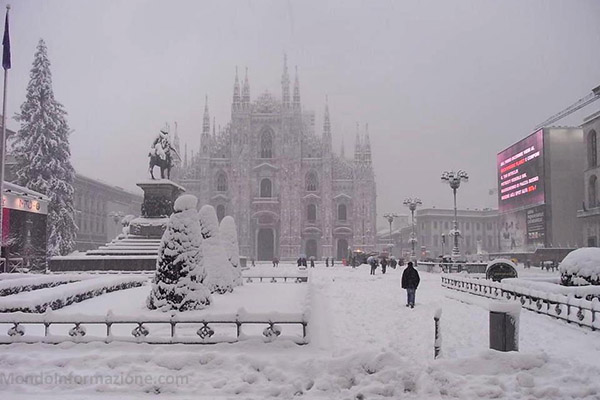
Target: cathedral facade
[(281, 181)]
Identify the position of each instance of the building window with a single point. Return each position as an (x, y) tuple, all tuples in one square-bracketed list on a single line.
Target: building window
[(489, 226), (265, 188), (434, 224), (311, 213), (220, 212), (435, 240), (592, 150), (312, 183), (468, 226), (446, 225), (221, 182), (478, 226), (342, 212), (489, 242), (266, 144), (468, 241), (592, 190)]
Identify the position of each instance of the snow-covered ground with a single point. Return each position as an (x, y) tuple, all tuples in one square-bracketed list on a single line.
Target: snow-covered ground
[(364, 344)]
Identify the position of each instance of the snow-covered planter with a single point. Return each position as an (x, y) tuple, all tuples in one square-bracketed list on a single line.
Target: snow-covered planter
[(61, 296), (218, 268), (14, 286), (581, 267), (229, 237), (179, 283)]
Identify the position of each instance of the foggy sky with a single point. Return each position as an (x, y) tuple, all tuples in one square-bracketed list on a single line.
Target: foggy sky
[(442, 84)]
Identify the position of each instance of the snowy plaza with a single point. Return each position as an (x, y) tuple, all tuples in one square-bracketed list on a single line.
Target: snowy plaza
[(364, 343)]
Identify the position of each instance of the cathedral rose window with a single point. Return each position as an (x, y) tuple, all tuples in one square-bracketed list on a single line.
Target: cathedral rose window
[(266, 144), (311, 182)]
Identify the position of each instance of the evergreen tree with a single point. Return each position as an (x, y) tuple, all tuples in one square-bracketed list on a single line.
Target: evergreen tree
[(41, 149), (180, 275), (219, 272), (228, 232)]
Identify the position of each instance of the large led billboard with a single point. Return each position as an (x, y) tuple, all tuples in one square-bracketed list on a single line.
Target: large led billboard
[(521, 173)]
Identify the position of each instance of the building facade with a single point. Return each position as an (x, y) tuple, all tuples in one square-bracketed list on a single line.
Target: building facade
[(590, 212), (99, 208), (289, 193)]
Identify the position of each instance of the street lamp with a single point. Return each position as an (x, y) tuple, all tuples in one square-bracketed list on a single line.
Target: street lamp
[(454, 179), (390, 218), (412, 205)]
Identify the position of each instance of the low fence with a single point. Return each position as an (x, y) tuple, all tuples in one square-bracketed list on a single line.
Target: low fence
[(168, 329), (470, 267), (568, 308)]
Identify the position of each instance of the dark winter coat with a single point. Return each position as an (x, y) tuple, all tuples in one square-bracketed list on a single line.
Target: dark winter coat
[(410, 278)]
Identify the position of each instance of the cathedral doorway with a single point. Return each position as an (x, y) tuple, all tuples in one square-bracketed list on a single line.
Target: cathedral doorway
[(265, 244), (311, 248), (342, 249)]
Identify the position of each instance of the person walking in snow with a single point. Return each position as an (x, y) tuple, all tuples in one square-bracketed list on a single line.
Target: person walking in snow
[(383, 265), (326, 261), (373, 264), (410, 282)]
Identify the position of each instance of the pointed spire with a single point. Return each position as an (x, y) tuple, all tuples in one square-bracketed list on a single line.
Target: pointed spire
[(367, 144), (343, 150), (206, 120), (185, 156), (326, 130), (214, 127), (357, 145), (176, 139), (285, 84), (236, 90), (246, 90), (296, 91)]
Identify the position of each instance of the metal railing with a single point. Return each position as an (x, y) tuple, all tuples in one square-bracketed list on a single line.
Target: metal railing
[(568, 308), (227, 328), (470, 267)]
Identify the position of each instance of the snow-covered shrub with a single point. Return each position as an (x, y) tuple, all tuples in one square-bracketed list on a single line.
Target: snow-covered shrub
[(228, 232), (581, 264), (179, 283), (219, 277)]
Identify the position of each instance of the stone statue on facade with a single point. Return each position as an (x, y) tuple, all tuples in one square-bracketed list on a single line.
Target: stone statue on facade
[(160, 154)]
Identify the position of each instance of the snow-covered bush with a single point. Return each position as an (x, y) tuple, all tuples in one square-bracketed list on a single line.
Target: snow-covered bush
[(229, 237), (219, 277), (179, 283), (581, 265)]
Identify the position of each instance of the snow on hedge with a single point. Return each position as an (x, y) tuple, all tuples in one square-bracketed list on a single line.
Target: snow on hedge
[(219, 271), (228, 232), (35, 282), (581, 267), (179, 283), (54, 298)]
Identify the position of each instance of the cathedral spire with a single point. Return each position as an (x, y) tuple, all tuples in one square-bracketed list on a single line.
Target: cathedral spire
[(185, 156), (246, 90), (357, 146), (326, 129), (367, 144), (296, 91), (285, 84), (343, 150), (214, 127), (236, 90), (206, 120)]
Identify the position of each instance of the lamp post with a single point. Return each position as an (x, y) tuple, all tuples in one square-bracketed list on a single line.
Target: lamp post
[(412, 205), (390, 218), (454, 179)]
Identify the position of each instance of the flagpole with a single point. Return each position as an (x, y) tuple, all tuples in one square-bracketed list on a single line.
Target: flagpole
[(3, 157)]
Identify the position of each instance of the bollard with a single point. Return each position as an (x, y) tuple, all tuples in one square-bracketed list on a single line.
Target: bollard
[(504, 325), (437, 343)]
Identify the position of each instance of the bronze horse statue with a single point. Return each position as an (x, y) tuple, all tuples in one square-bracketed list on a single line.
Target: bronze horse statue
[(164, 165)]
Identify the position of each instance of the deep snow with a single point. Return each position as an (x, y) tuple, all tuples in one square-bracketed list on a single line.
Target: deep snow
[(365, 344)]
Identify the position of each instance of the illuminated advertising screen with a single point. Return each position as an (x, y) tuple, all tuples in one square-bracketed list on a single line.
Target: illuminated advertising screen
[(521, 173)]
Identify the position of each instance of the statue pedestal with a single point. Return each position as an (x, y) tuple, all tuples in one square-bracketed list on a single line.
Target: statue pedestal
[(159, 197)]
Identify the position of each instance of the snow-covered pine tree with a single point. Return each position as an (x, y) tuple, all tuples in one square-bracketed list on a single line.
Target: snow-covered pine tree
[(219, 277), (43, 157), (179, 282), (228, 232)]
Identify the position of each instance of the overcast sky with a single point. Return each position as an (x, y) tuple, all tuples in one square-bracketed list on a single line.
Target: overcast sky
[(443, 84)]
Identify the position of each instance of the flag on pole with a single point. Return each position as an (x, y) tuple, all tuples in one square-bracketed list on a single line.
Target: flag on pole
[(6, 45)]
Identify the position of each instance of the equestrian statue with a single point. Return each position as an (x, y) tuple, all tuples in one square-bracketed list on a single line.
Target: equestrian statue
[(160, 154)]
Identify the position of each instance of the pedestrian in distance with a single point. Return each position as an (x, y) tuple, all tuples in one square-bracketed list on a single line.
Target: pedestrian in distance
[(332, 261), (410, 282), (326, 262), (373, 264), (383, 265)]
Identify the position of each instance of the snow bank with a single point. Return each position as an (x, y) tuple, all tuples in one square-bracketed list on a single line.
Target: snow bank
[(581, 263), (54, 298)]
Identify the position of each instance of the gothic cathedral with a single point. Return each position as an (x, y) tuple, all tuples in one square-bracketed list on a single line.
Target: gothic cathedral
[(287, 190)]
